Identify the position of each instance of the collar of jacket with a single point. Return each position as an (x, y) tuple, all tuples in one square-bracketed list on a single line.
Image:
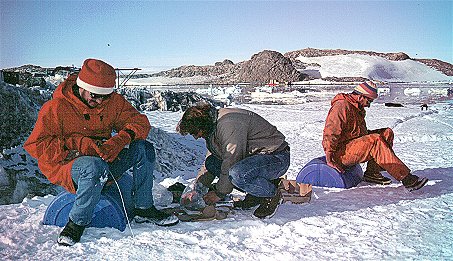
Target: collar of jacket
[(65, 91)]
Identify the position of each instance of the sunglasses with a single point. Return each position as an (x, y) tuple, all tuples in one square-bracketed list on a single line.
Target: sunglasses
[(368, 99), (99, 96)]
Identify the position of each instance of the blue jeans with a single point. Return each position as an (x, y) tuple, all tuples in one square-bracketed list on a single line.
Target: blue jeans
[(254, 174), (90, 174)]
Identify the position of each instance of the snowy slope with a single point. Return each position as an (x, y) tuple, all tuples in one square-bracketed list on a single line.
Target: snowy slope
[(368, 222), (373, 67)]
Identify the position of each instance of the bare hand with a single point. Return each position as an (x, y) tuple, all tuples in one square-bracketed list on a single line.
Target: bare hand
[(188, 197)]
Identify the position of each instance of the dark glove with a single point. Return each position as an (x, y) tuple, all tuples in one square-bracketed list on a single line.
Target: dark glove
[(211, 198), (112, 147), (85, 145)]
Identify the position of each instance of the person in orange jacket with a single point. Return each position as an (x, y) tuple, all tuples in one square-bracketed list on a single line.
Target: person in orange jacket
[(347, 141), (72, 140)]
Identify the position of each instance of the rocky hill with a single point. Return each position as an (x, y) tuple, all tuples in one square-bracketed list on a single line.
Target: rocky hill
[(261, 68), (312, 52), (267, 66), (444, 67)]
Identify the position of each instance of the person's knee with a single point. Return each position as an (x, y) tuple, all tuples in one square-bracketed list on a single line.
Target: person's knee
[(233, 173), (388, 134), (237, 175), (213, 165), (374, 138), (143, 147), (94, 167)]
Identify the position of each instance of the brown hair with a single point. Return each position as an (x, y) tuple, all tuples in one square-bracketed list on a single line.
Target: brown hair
[(196, 118)]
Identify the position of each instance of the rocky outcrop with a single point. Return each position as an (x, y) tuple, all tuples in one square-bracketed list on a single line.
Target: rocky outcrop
[(193, 70), (444, 67), (145, 100), (266, 66), (19, 112), (312, 52), (261, 68)]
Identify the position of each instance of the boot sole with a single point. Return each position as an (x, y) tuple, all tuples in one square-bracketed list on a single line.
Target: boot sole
[(421, 182), (171, 222), (377, 181), (65, 241)]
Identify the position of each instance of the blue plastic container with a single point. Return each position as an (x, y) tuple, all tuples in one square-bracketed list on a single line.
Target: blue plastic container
[(109, 211), (318, 173)]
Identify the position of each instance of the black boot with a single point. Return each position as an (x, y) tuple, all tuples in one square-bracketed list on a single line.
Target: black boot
[(269, 206), (70, 234), (412, 182), (248, 202), (376, 178), (373, 174), (153, 215)]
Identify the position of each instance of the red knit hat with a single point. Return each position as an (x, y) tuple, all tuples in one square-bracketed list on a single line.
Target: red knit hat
[(97, 77), (368, 89)]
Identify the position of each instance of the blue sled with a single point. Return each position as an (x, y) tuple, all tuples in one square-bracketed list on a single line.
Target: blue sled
[(109, 212), (318, 173)]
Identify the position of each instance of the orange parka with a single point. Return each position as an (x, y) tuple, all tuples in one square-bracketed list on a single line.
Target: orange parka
[(65, 116), (345, 121)]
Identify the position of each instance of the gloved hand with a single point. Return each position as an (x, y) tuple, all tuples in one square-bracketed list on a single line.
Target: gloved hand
[(112, 147), (85, 145), (333, 162), (211, 198)]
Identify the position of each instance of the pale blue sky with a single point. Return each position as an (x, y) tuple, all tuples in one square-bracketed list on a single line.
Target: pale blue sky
[(175, 33)]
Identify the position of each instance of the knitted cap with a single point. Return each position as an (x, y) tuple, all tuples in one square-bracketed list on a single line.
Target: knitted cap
[(97, 77), (368, 89)]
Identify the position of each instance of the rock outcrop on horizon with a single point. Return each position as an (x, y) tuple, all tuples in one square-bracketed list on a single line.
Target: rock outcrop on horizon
[(267, 66), (312, 52), (444, 67), (262, 68), (271, 66)]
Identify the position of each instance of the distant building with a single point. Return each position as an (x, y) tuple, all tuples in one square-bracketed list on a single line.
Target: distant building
[(1, 76)]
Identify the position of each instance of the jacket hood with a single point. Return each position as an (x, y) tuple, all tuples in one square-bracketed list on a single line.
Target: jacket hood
[(64, 91), (351, 98)]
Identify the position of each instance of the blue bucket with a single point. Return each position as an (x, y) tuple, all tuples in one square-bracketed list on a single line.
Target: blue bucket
[(318, 173), (109, 211)]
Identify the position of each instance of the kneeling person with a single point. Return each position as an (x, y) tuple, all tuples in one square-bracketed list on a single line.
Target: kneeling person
[(244, 151)]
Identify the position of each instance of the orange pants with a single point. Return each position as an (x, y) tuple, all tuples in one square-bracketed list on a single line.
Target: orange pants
[(376, 148)]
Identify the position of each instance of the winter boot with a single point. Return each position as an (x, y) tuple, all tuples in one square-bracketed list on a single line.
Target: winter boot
[(412, 182), (248, 202), (376, 178), (70, 234), (153, 215), (373, 174), (268, 206)]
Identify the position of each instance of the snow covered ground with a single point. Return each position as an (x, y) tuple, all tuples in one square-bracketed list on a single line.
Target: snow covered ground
[(372, 67), (368, 222)]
